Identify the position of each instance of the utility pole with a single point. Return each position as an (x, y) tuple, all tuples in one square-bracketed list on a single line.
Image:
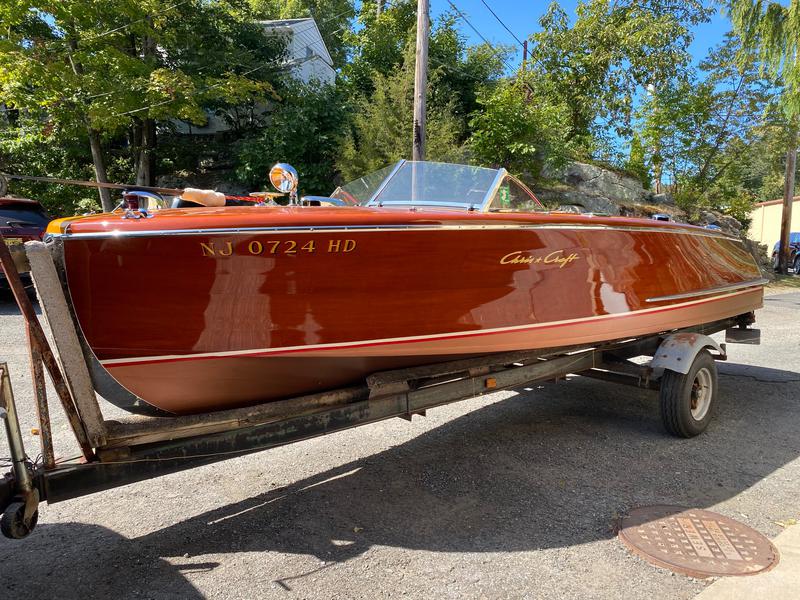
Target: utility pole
[(379, 9), (788, 198), (420, 80), (525, 68)]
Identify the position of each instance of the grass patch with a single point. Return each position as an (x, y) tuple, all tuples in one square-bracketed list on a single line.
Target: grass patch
[(785, 281)]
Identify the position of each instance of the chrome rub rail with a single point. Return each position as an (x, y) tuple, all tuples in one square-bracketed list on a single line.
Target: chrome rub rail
[(709, 291)]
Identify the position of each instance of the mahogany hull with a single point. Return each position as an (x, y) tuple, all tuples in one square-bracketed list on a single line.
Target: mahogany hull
[(197, 316)]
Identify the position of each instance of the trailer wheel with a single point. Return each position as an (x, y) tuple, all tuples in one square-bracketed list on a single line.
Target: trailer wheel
[(12, 523), (688, 400)]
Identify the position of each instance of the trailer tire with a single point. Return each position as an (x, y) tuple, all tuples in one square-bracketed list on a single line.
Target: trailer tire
[(12, 523), (688, 400)]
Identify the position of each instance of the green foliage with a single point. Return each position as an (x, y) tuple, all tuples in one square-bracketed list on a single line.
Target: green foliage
[(382, 127), (305, 129), (700, 132), (636, 163), (61, 155), (378, 45), (614, 50), (773, 30), (381, 79), (519, 133), (81, 69)]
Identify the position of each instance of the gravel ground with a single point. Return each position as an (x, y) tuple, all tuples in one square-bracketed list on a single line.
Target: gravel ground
[(512, 495)]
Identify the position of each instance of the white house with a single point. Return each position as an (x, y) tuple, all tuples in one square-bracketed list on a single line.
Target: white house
[(307, 56), (307, 59)]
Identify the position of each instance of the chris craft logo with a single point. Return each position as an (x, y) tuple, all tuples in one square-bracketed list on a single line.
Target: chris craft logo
[(558, 257), (277, 247)]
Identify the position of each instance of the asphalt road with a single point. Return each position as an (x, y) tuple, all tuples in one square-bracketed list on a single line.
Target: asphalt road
[(511, 495)]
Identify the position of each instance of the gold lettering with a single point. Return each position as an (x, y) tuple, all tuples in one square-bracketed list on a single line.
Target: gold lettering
[(291, 249), (553, 257), (309, 246), (349, 245), (333, 245), (255, 247), (558, 258), (522, 258), (208, 249), (274, 247), (516, 258), (228, 249)]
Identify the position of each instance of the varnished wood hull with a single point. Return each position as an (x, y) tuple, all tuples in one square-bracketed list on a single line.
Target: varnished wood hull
[(192, 315)]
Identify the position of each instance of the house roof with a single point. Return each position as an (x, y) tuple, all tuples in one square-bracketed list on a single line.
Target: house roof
[(306, 29), (778, 201), (283, 22)]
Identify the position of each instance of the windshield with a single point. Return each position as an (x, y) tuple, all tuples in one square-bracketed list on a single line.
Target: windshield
[(411, 183), (361, 190), (23, 215), (437, 184)]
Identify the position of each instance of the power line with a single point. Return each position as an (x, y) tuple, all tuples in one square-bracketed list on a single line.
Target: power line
[(488, 43), (499, 20), (480, 35)]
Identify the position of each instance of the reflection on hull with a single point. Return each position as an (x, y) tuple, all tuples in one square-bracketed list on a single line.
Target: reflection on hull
[(193, 319)]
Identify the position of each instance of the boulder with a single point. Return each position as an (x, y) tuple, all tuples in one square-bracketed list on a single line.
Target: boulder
[(595, 188), (761, 253), (665, 198), (727, 223), (582, 201)]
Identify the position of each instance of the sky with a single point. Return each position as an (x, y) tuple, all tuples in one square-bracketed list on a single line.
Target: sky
[(522, 17)]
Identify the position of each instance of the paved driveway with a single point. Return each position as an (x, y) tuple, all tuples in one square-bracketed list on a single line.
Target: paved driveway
[(507, 496)]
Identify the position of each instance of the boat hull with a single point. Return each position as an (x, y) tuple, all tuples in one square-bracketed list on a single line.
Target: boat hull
[(203, 319)]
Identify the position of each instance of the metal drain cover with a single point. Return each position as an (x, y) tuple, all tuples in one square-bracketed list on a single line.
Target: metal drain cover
[(696, 542)]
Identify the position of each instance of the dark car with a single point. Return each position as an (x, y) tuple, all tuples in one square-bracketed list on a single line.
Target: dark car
[(21, 220), (794, 252)]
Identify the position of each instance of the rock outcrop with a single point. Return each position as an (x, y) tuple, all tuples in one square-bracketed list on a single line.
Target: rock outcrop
[(593, 188)]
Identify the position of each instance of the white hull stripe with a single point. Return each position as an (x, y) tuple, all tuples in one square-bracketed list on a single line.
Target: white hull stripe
[(409, 339)]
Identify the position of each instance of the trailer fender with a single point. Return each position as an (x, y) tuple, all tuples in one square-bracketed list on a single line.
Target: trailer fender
[(678, 351)]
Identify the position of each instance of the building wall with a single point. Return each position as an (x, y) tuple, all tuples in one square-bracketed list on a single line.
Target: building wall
[(765, 226)]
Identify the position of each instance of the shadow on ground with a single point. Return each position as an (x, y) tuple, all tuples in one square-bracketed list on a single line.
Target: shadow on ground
[(550, 467)]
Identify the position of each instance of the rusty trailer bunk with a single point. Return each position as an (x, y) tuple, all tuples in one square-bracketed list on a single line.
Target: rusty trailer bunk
[(122, 451)]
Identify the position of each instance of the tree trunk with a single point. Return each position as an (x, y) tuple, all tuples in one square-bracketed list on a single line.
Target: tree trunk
[(99, 169), (94, 140), (788, 197), (145, 159)]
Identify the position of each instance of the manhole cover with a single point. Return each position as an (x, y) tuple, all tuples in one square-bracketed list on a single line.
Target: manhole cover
[(695, 542)]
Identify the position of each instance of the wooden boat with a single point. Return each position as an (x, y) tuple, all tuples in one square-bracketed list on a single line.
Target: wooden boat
[(208, 308)]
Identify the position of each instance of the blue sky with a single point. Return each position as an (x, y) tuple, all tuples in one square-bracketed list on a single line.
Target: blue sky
[(523, 19)]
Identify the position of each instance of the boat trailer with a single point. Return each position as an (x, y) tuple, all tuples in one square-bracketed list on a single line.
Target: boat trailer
[(122, 451)]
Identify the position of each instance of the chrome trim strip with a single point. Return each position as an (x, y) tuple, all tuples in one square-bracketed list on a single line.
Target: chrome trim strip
[(386, 181), (373, 228), (487, 199), (707, 292), (426, 203)]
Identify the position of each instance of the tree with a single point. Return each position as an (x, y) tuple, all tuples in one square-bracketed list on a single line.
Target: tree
[(612, 52), (381, 76), (636, 162), (522, 136), (102, 70), (381, 128), (772, 29), (305, 129), (698, 131)]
